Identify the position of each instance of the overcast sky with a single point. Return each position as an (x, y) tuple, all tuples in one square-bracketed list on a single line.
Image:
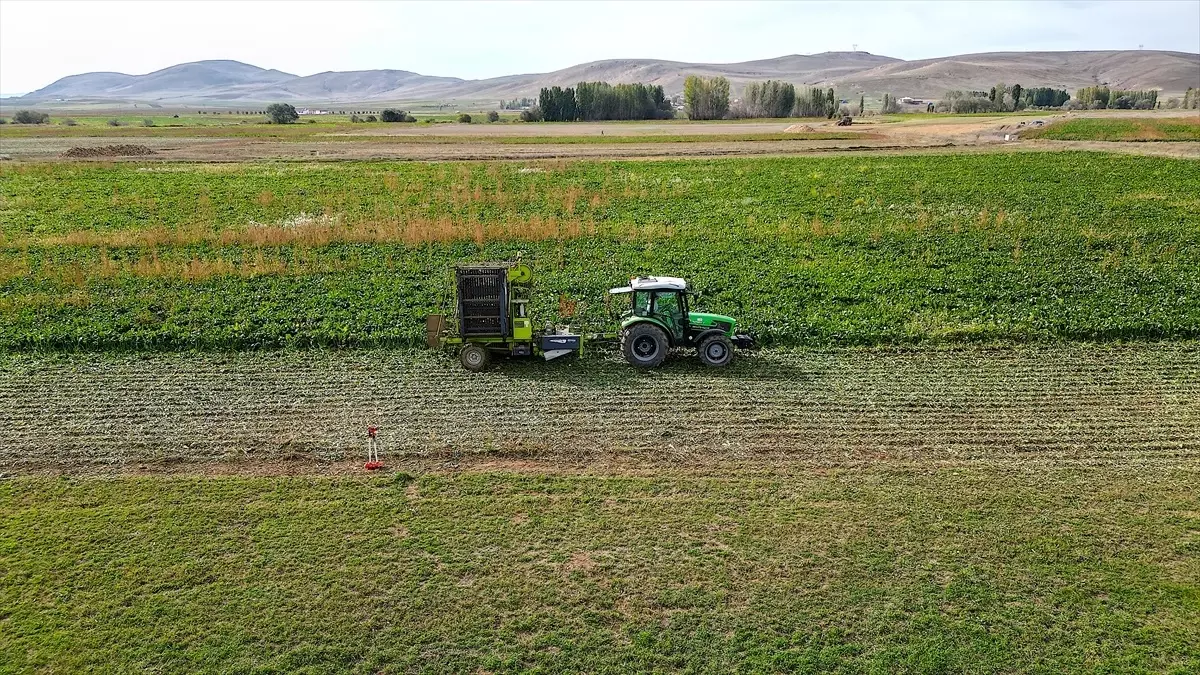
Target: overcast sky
[(45, 40)]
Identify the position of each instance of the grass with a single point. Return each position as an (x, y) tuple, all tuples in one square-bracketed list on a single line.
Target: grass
[(1140, 129), (886, 569), (815, 251)]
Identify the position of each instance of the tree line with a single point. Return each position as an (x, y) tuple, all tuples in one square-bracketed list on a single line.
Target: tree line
[(596, 101), (1101, 97)]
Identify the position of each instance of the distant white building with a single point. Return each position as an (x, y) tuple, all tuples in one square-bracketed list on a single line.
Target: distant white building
[(905, 100)]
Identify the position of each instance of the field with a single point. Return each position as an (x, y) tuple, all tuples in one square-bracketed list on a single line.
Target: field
[(894, 570), (970, 444), (991, 510), (1098, 129), (1047, 404), (847, 250)]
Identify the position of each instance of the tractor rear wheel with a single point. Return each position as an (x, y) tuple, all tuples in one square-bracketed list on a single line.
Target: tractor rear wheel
[(716, 351), (644, 345), (475, 358)]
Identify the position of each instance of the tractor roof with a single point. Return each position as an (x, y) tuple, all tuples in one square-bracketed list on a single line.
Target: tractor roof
[(652, 284)]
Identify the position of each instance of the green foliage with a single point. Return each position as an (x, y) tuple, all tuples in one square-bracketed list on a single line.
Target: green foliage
[(1103, 97), (603, 101), (830, 250), (370, 118), (890, 105), (1044, 97), (814, 102), (30, 117), (706, 98), (464, 118), (393, 115), (115, 122), (767, 99), (493, 116), (533, 114), (282, 113), (558, 104)]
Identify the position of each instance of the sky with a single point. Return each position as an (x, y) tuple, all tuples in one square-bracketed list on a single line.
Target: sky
[(44, 40)]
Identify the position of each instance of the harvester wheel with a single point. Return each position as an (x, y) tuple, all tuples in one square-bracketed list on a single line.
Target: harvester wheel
[(716, 351), (475, 358), (644, 345)]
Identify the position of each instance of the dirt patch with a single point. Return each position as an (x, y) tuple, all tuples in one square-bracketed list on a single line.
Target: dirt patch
[(121, 150)]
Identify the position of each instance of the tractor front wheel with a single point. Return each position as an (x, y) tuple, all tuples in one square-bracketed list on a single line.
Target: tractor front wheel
[(644, 345), (716, 351), (475, 358)]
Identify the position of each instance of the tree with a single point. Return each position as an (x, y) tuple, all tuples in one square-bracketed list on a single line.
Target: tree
[(393, 115), (637, 101), (706, 98), (557, 104), (370, 118), (493, 116), (815, 102), (464, 118), (890, 105), (1015, 92), (282, 113), (533, 114), (766, 99), (862, 104), (30, 117)]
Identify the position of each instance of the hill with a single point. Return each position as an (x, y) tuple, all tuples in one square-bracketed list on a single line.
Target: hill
[(849, 72)]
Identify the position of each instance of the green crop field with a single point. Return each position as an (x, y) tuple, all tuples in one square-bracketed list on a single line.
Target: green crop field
[(806, 251), (1141, 129)]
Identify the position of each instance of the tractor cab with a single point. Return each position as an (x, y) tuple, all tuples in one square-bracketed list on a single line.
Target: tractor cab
[(659, 319)]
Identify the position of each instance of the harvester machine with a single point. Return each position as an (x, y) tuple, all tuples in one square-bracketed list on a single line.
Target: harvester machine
[(491, 316)]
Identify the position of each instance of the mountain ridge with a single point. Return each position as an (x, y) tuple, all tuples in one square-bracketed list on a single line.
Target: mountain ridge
[(228, 81)]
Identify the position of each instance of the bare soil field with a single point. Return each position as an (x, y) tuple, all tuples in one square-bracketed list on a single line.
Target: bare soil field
[(85, 412), (504, 141)]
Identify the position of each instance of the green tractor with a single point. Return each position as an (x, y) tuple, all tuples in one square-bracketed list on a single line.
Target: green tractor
[(491, 318), (659, 319)]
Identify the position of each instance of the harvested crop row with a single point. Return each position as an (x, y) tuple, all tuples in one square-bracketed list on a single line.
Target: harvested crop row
[(822, 407)]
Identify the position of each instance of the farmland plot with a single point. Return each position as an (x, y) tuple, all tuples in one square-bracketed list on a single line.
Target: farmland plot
[(1090, 403), (847, 250)]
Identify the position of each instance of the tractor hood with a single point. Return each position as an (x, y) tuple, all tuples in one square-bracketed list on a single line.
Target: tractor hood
[(706, 320)]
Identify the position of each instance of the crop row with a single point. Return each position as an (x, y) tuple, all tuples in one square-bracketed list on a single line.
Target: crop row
[(1062, 403)]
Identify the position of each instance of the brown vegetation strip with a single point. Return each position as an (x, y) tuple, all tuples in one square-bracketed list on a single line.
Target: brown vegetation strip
[(816, 408)]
